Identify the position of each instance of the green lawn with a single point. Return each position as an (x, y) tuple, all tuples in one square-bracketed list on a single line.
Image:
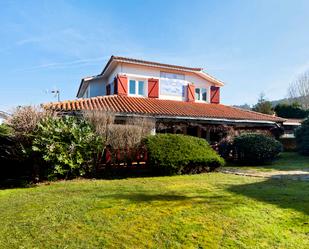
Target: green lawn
[(286, 161), (199, 211)]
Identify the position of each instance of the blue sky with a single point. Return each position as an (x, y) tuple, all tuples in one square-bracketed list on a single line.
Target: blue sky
[(252, 46)]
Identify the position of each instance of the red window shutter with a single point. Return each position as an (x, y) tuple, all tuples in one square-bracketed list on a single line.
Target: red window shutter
[(191, 92), (108, 89), (153, 88), (122, 85), (215, 95)]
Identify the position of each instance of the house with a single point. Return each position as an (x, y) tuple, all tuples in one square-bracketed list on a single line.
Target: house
[(180, 99), (289, 126)]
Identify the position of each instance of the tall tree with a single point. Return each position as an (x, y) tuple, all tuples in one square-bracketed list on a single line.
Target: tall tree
[(293, 110), (263, 106), (299, 90)]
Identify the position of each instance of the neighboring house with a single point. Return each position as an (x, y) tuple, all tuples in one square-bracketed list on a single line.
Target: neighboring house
[(180, 99), (289, 126)]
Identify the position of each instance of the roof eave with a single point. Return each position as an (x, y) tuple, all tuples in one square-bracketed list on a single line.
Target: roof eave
[(210, 78), (85, 79)]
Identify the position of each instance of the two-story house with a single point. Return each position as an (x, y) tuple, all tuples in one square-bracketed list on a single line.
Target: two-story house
[(137, 78), (181, 99)]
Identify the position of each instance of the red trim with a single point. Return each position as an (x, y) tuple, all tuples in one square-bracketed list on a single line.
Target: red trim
[(153, 88), (215, 95), (122, 85), (190, 92)]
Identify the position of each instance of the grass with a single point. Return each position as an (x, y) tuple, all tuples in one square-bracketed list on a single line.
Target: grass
[(286, 161), (197, 211)]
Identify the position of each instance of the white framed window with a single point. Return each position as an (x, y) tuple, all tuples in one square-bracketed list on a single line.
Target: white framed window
[(137, 87), (201, 94), (197, 94)]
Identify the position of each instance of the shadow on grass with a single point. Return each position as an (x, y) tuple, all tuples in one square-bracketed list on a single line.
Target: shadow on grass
[(177, 199), (286, 161), (14, 183), (282, 193), (145, 197)]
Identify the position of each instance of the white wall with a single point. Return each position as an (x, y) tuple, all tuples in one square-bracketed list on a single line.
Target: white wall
[(172, 90), (151, 72)]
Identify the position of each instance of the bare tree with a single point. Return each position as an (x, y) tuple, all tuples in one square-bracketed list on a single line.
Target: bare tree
[(121, 136), (101, 120), (299, 90)]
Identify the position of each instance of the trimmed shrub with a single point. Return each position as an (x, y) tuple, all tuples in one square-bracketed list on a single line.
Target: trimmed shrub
[(256, 148), (171, 154), (302, 138), (69, 145)]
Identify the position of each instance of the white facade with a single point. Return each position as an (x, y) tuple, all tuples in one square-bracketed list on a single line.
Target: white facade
[(172, 83)]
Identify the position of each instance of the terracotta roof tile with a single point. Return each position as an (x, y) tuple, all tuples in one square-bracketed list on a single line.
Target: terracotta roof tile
[(159, 107)]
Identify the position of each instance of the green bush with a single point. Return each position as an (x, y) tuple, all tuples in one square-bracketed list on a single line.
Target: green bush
[(302, 138), (256, 148), (293, 110), (171, 154), (69, 145), (5, 130)]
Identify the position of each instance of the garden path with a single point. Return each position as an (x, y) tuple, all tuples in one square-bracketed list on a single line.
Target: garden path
[(302, 175)]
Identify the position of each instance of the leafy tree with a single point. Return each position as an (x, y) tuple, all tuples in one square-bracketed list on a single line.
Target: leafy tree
[(263, 106), (302, 138), (5, 130), (69, 145), (293, 110)]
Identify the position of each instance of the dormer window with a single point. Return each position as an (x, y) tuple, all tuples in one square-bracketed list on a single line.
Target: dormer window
[(201, 94), (137, 87)]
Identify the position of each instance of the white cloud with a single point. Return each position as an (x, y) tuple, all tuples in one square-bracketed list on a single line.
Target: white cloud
[(74, 63)]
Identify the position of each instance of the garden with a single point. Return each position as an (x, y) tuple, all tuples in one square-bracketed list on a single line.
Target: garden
[(63, 186)]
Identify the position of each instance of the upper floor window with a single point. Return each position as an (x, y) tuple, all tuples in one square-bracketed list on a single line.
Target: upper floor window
[(137, 87), (197, 94), (201, 94), (174, 76)]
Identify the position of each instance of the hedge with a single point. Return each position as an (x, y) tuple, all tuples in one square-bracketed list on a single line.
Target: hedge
[(256, 148), (171, 154)]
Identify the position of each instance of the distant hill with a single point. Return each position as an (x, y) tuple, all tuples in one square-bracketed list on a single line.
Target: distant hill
[(244, 107), (273, 103), (282, 101)]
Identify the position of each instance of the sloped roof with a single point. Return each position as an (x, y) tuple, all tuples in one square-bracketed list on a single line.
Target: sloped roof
[(196, 70), (159, 107), (149, 63), (293, 121)]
